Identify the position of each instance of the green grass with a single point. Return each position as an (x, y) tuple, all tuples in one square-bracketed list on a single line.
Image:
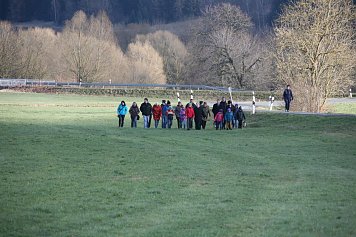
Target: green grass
[(344, 108), (67, 170)]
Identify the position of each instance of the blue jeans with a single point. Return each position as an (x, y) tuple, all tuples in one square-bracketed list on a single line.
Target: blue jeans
[(169, 123), (183, 124), (134, 122), (146, 120), (164, 121)]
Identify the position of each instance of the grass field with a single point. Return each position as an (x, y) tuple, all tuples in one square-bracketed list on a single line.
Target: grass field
[(67, 170)]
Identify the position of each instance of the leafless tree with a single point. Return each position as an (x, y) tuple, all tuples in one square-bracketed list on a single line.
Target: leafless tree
[(146, 65), (90, 48), (172, 51), (224, 51), (314, 49), (9, 51)]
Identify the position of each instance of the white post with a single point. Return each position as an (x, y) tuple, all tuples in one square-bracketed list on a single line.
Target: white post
[(110, 81), (191, 94), (230, 94), (271, 100), (253, 103), (178, 97), (350, 93)]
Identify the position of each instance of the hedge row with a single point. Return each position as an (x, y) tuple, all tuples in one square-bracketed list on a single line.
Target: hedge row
[(152, 93)]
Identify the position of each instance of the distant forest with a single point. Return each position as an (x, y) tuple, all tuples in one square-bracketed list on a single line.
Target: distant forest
[(262, 12)]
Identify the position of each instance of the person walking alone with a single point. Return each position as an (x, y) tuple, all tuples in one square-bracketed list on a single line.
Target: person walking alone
[(288, 97)]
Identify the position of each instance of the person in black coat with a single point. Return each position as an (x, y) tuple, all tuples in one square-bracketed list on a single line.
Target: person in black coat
[(288, 97), (240, 116), (146, 110), (223, 106), (198, 119), (215, 109)]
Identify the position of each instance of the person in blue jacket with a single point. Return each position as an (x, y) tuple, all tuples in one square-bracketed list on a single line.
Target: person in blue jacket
[(121, 112)]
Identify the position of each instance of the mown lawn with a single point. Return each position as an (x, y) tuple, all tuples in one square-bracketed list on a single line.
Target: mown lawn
[(67, 170)]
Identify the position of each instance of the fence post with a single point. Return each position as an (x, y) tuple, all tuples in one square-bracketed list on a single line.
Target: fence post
[(191, 94), (178, 97), (271, 100), (350, 93), (253, 103), (230, 91)]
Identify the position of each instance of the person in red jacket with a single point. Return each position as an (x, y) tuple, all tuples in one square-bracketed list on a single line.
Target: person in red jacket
[(190, 116), (157, 112)]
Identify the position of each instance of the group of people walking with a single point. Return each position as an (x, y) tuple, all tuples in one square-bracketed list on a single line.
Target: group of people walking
[(224, 114)]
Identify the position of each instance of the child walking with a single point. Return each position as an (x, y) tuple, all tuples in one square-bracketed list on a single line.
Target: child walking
[(219, 118), (183, 118), (229, 117), (170, 115)]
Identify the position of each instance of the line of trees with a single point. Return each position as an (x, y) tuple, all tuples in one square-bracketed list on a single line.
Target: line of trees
[(311, 48), (262, 12), (221, 50)]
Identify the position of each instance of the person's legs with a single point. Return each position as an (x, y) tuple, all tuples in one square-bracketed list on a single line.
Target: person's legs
[(229, 125), (240, 124), (184, 124), (149, 121), (287, 102), (121, 120), (156, 123), (146, 121), (135, 122), (164, 121), (203, 124)]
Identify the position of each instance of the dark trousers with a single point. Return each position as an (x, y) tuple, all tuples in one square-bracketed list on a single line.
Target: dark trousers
[(203, 124), (198, 124), (179, 122), (240, 124), (121, 120), (287, 104), (190, 123), (149, 121)]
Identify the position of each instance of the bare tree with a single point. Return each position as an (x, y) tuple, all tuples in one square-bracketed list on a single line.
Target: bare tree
[(224, 52), (146, 64), (90, 48), (314, 49), (9, 51), (33, 55), (172, 51)]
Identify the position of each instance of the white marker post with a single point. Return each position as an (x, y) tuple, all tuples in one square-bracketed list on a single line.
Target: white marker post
[(271, 100), (191, 94), (178, 97), (230, 94), (253, 103), (350, 93)]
